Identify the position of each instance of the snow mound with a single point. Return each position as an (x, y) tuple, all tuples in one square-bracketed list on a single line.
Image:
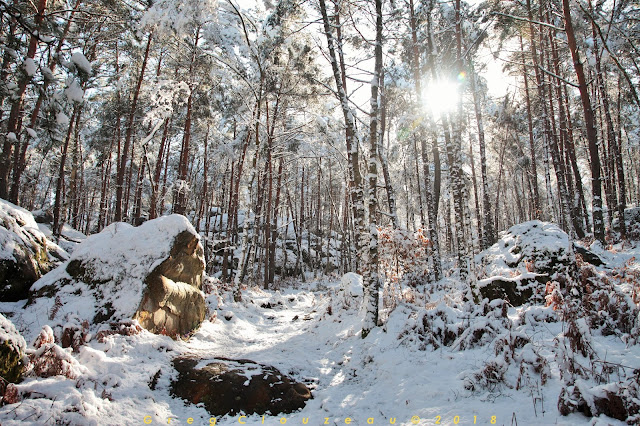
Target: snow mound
[(351, 284), (534, 246), (9, 334)]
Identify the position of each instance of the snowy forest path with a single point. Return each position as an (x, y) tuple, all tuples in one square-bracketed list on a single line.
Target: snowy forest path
[(292, 331), (272, 328)]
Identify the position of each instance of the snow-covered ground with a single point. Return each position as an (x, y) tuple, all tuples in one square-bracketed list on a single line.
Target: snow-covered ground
[(384, 377), (400, 374)]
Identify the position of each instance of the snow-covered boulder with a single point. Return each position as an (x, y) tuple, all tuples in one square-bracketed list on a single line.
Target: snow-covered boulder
[(25, 253), (12, 348), (151, 273), (526, 256)]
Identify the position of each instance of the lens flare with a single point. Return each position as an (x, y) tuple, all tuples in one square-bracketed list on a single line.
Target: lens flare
[(441, 97)]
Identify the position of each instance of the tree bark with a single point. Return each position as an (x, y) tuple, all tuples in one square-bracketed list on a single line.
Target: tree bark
[(373, 280), (592, 136), (118, 215), (14, 121)]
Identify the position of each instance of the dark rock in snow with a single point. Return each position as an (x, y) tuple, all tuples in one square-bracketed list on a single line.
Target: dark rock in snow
[(516, 291), (151, 273), (25, 253), (594, 402), (588, 256), (42, 216), (227, 386)]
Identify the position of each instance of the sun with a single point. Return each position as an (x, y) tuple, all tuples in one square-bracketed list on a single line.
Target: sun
[(441, 96)]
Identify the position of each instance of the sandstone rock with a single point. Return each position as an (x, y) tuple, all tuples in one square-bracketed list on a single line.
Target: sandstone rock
[(24, 252), (151, 273), (227, 386)]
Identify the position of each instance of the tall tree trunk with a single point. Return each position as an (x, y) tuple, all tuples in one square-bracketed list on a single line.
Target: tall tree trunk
[(182, 190), (431, 198), (475, 196), (21, 149), (118, 215), (15, 115), (57, 205), (384, 162), (532, 148), (615, 158), (373, 280), (592, 136), (274, 226), (355, 178), (155, 183), (488, 236), (457, 176)]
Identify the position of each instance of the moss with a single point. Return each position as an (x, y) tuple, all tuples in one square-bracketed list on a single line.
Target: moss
[(10, 363), (76, 269), (83, 272)]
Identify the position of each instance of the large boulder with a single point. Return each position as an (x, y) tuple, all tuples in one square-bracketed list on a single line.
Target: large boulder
[(227, 386), (12, 349), (25, 253), (151, 273), (525, 257)]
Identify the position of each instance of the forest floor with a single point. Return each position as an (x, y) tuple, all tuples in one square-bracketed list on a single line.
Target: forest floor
[(385, 378)]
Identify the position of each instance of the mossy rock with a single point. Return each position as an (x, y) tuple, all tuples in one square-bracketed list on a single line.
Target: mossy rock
[(10, 363)]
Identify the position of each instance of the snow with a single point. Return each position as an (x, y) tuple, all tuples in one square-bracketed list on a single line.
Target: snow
[(403, 372), (9, 334), (74, 92), (62, 119), (30, 67), (381, 377), (81, 62)]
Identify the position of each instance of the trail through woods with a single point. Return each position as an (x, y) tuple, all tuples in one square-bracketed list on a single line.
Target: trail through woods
[(312, 333)]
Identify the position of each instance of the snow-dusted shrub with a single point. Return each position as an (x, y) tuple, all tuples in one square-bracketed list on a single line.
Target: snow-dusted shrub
[(491, 377), (349, 295), (460, 328), (75, 333), (124, 328), (517, 364), (404, 256), (608, 300), (47, 359), (536, 314)]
